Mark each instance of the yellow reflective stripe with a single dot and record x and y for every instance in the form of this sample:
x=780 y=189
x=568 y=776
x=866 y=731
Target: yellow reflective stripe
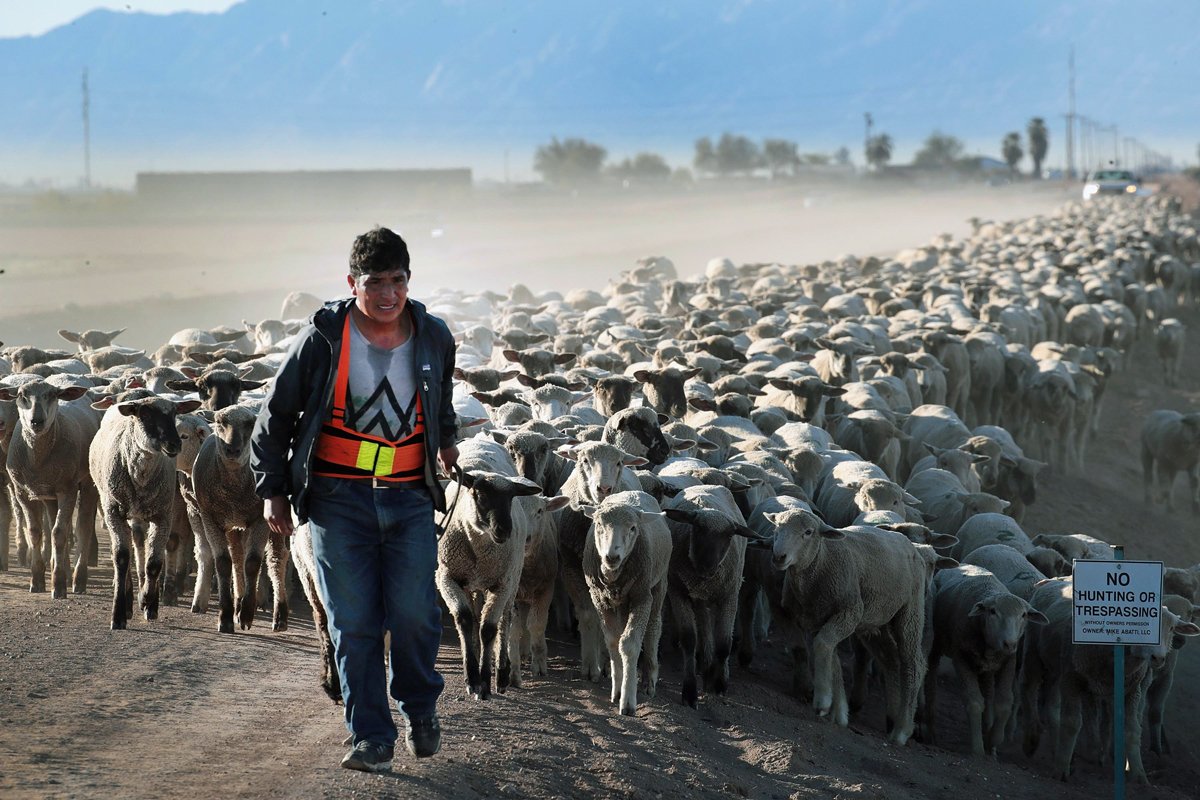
x=386 y=456
x=366 y=456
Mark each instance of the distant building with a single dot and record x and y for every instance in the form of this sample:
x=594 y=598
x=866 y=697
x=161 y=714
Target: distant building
x=290 y=192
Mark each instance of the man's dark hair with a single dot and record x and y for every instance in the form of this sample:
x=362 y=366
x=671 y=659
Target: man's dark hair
x=378 y=250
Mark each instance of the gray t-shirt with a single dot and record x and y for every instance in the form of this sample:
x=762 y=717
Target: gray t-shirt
x=382 y=393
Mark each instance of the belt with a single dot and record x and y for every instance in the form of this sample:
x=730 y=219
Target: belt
x=379 y=483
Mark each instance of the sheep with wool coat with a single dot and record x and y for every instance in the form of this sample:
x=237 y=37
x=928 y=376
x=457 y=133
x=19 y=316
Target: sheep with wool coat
x=945 y=503
x=625 y=564
x=979 y=624
x=1019 y=572
x=480 y=556
x=47 y=467
x=843 y=583
x=707 y=558
x=1060 y=675
x=234 y=526
x=1171 y=444
x=132 y=460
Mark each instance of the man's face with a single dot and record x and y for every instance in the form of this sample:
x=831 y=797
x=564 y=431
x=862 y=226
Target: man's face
x=381 y=296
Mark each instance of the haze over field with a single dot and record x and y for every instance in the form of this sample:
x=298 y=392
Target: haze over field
x=150 y=275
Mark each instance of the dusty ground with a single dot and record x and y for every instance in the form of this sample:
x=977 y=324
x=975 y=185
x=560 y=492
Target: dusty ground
x=170 y=709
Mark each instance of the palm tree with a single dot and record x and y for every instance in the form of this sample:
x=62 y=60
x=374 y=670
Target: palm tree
x=1039 y=143
x=879 y=151
x=1011 y=148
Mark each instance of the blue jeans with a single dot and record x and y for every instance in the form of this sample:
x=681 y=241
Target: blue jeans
x=376 y=552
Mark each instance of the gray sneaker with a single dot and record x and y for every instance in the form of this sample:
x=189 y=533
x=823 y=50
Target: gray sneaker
x=369 y=757
x=423 y=735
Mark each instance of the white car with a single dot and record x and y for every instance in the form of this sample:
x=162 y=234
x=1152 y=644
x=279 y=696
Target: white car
x=1110 y=182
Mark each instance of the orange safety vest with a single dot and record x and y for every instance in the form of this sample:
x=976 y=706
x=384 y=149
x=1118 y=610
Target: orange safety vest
x=345 y=453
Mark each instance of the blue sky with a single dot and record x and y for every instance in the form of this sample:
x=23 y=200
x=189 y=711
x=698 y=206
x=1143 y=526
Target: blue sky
x=35 y=17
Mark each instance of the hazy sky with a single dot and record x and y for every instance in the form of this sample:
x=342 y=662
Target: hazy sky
x=34 y=17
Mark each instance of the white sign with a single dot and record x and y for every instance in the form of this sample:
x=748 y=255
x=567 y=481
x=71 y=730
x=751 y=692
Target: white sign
x=1117 y=602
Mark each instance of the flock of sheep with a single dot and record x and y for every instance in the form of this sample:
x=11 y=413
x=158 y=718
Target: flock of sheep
x=838 y=455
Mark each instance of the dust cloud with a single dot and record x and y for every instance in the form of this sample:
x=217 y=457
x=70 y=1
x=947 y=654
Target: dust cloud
x=158 y=270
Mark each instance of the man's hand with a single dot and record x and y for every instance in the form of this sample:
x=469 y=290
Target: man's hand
x=448 y=456
x=278 y=515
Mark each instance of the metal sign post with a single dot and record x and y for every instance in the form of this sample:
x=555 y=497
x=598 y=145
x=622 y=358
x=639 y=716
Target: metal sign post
x=1117 y=603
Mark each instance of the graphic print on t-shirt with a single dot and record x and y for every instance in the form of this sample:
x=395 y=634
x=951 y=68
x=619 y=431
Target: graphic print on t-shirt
x=382 y=396
x=382 y=401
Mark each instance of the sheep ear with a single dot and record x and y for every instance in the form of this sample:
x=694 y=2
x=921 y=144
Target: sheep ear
x=249 y=386
x=643 y=375
x=1038 y=618
x=72 y=392
x=663 y=419
x=467 y=479
x=702 y=404
x=978 y=610
x=750 y=533
x=127 y=409
x=500 y=435
x=944 y=562
x=681 y=515
x=557 y=502
x=564 y=358
x=524 y=487
x=976 y=458
x=470 y=422
x=512 y=355
x=186 y=406
x=191 y=372
x=830 y=532
x=781 y=383
x=182 y=386
x=649 y=516
x=773 y=517
x=70 y=336
x=943 y=540
x=508 y=375
x=459 y=374
x=688 y=374
x=911 y=500
x=934 y=450
x=832 y=391
x=567 y=451
x=100 y=405
x=1187 y=629
x=526 y=380
x=589 y=511
x=635 y=461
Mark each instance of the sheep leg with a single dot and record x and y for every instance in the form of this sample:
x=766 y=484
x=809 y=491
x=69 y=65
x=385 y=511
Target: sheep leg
x=518 y=637
x=1001 y=705
x=974 y=699
x=223 y=562
x=722 y=619
x=464 y=620
x=62 y=511
x=685 y=629
x=747 y=604
x=929 y=717
x=1156 y=700
x=860 y=674
x=825 y=663
x=251 y=564
x=536 y=621
x=85 y=527
x=1070 y=721
x=491 y=620
x=204 y=564
x=610 y=621
x=156 y=548
x=705 y=646
x=591 y=637
x=630 y=646
x=6 y=517
x=119 y=534
x=648 y=660
x=33 y=535
x=910 y=667
x=1134 y=702
x=278 y=557
x=21 y=517
x=237 y=555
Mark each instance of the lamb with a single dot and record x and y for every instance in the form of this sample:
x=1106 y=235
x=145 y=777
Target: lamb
x=234 y=526
x=306 y=570
x=874 y=436
x=218 y=388
x=187 y=529
x=990 y=528
x=636 y=431
x=707 y=558
x=663 y=388
x=1171 y=444
x=945 y=502
x=132 y=461
x=479 y=559
x=979 y=623
x=1020 y=573
x=625 y=564
x=1159 y=689
x=800 y=397
x=840 y=583
x=1075 y=545
x=1169 y=339
x=535 y=591
x=600 y=470
x=47 y=466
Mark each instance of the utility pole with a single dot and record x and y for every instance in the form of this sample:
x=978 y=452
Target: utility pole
x=870 y=122
x=87 y=134
x=1071 y=115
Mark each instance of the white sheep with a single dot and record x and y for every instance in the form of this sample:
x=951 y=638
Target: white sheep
x=625 y=565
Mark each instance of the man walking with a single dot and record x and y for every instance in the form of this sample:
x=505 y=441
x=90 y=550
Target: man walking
x=349 y=433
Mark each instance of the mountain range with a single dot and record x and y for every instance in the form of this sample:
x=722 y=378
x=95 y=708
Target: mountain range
x=364 y=83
